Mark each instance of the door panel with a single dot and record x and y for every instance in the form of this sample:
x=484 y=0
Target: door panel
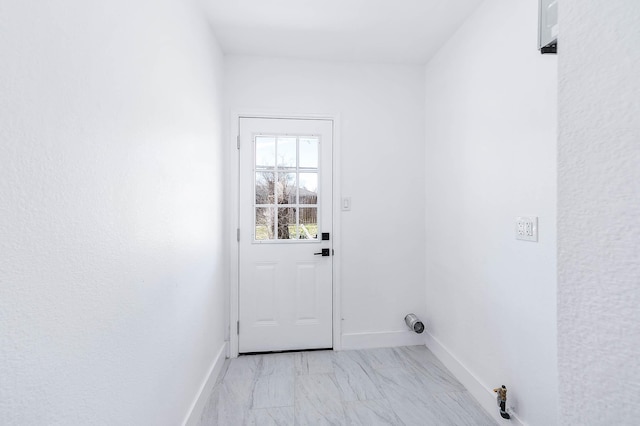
x=286 y=290
x=307 y=293
x=265 y=287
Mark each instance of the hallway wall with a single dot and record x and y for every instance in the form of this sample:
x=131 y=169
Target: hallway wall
x=111 y=211
x=490 y=157
x=381 y=144
x=598 y=206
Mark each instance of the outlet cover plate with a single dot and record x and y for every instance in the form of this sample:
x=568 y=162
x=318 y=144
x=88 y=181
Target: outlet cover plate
x=527 y=228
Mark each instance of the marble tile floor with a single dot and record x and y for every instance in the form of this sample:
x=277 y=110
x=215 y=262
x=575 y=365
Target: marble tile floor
x=391 y=386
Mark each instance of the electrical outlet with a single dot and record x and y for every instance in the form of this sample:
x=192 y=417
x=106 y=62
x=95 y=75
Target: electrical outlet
x=527 y=228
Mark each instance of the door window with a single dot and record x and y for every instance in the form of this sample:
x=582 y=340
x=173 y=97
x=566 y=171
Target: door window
x=286 y=188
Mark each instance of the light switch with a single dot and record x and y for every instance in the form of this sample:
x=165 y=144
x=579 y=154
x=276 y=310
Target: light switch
x=346 y=204
x=527 y=228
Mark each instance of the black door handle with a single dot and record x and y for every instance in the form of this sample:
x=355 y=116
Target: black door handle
x=324 y=252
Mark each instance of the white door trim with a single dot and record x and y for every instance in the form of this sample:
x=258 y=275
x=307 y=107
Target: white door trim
x=234 y=220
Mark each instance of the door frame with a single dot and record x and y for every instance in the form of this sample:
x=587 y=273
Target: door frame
x=233 y=189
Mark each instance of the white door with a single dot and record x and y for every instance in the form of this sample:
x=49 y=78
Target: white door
x=286 y=292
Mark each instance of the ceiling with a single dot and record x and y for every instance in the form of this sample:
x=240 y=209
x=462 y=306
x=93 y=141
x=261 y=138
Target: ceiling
x=389 y=31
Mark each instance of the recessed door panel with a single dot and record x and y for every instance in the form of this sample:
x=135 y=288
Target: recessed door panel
x=265 y=302
x=307 y=294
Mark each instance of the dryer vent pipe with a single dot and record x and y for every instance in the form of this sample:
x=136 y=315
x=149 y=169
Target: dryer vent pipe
x=414 y=323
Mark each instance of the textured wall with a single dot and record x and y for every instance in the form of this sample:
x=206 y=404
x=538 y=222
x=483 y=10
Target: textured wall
x=111 y=260
x=490 y=157
x=381 y=147
x=598 y=210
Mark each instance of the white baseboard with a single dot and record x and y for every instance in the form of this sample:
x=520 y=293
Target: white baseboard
x=384 y=339
x=480 y=391
x=195 y=411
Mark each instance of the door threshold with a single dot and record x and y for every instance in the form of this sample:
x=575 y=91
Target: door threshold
x=285 y=352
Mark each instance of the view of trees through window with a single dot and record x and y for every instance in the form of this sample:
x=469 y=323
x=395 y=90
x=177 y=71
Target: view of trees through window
x=286 y=188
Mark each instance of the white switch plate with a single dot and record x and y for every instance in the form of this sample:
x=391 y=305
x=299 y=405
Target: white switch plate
x=346 y=204
x=527 y=228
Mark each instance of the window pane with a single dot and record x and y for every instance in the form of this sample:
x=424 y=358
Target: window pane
x=265 y=218
x=308 y=188
x=287 y=154
x=287 y=229
x=265 y=190
x=309 y=153
x=308 y=223
x=265 y=151
x=286 y=188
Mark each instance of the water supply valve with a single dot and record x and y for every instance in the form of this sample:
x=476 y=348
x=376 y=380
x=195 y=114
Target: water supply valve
x=414 y=323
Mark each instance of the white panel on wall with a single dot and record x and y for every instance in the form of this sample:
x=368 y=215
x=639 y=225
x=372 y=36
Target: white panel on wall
x=491 y=298
x=381 y=136
x=111 y=238
x=598 y=208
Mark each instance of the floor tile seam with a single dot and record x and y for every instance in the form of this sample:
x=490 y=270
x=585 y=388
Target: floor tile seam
x=323 y=411
x=223 y=372
x=441 y=392
x=273 y=406
x=316 y=374
x=276 y=375
x=293 y=389
x=234 y=390
x=388 y=367
x=435 y=381
x=295 y=399
x=475 y=406
x=424 y=363
x=366 y=399
x=313 y=374
x=238 y=378
x=458 y=392
x=430 y=374
x=423 y=396
x=388 y=409
x=357 y=401
x=338 y=377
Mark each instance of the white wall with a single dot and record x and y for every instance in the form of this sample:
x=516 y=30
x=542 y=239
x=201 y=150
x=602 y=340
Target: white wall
x=491 y=156
x=598 y=209
x=112 y=264
x=381 y=138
